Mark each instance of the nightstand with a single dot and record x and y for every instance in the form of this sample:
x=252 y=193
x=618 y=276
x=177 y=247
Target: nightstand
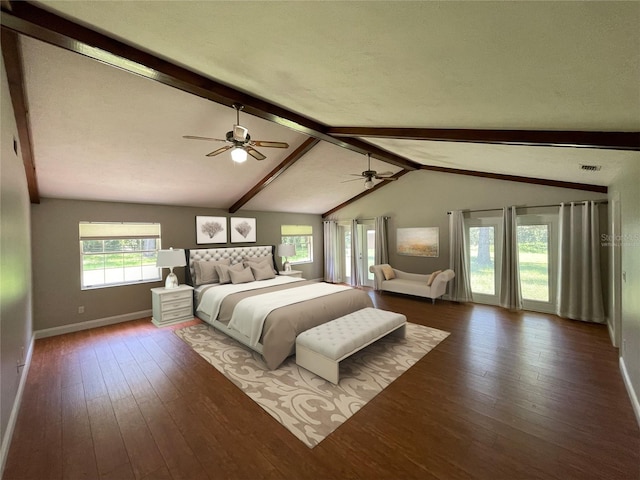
x=171 y=305
x=291 y=273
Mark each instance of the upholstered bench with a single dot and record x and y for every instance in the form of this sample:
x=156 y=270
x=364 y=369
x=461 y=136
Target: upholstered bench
x=322 y=348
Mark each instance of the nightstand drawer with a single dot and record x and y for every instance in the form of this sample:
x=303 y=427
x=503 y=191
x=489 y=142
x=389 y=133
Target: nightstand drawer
x=176 y=314
x=173 y=296
x=176 y=304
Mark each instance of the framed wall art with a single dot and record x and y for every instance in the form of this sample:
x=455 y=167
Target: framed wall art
x=211 y=230
x=243 y=229
x=418 y=242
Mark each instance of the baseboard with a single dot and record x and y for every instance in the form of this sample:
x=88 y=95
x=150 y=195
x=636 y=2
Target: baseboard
x=632 y=394
x=99 y=322
x=13 y=417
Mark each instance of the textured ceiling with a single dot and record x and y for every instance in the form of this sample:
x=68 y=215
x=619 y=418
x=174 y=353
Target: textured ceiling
x=507 y=65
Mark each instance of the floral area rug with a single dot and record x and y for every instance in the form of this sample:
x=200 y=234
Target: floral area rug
x=304 y=403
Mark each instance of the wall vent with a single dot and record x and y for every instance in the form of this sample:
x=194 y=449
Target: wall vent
x=591 y=168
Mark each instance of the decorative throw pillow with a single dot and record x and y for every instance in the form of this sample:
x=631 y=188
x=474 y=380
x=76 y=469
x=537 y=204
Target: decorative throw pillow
x=242 y=276
x=388 y=272
x=223 y=271
x=262 y=271
x=206 y=271
x=255 y=261
x=432 y=277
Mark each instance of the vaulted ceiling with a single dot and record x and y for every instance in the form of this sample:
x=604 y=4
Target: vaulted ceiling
x=524 y=91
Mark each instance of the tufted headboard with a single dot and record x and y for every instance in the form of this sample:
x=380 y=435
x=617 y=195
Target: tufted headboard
x=235 y=254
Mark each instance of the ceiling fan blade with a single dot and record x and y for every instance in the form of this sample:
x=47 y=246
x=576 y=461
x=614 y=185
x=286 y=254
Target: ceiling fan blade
x=219 y=151
x=240 y=133
x=254 y=153
x=356 y=175
x=385 y=178
x=384 y=174
x=193 y=137
x=352 y=180
x=266 y=143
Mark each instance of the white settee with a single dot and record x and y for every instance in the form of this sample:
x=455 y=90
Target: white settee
x=411 y=283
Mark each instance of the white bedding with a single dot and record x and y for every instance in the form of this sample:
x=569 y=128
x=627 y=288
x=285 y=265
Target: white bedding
x=250 y=313
x=211 y=298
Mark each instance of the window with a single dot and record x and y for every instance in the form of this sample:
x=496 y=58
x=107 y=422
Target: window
x=118 y=253
x=302 y=237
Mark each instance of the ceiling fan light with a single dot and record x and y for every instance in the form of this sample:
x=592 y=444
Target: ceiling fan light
x=368 y=184
x=239 y=155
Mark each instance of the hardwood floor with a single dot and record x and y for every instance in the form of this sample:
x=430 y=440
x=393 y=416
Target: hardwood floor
x=505 y=396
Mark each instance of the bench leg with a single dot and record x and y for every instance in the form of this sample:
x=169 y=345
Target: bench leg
x=318 y=364
x=400 y=332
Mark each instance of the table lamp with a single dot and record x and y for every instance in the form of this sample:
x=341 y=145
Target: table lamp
x=169 y=259
x=286 y=250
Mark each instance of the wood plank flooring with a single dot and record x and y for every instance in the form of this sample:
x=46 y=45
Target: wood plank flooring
x=505 y=396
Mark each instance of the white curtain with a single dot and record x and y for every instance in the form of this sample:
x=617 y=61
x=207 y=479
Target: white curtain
x=579 y=281
x=460 y=285
x=355 y=254
x=382 y=242
x=510 y=291
x=331 y=254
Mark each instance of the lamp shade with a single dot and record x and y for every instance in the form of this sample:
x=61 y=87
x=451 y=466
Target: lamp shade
x=171 y=258
x=286 y=250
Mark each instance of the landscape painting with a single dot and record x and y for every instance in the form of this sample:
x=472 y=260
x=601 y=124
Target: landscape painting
x=211 y=230
x=418 y=242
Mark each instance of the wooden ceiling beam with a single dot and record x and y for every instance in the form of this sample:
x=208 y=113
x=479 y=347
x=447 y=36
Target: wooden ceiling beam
x=27 y=19
x=546 y=138
x=515 y=178
x=364 y=193
x=11 y=53
x=296 y=155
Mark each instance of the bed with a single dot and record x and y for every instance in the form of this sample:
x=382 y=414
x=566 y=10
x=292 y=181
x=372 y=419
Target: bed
x=266 y=314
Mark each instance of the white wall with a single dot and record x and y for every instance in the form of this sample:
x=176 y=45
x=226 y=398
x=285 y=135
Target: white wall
x=627 y=188
x=15 y=270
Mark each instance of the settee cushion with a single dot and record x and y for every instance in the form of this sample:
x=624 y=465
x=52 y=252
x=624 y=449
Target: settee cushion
x=432 y=277
x=388 y=272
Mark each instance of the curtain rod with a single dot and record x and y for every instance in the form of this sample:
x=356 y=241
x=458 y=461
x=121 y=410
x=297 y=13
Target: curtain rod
x=530 y=206
x=357 y=219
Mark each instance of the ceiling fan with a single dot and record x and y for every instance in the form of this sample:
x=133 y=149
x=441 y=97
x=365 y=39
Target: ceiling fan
x=369 y=175
x=239 y=141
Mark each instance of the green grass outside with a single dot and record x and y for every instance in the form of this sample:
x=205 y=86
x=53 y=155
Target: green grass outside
x=534 y=277
x=117 y=260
